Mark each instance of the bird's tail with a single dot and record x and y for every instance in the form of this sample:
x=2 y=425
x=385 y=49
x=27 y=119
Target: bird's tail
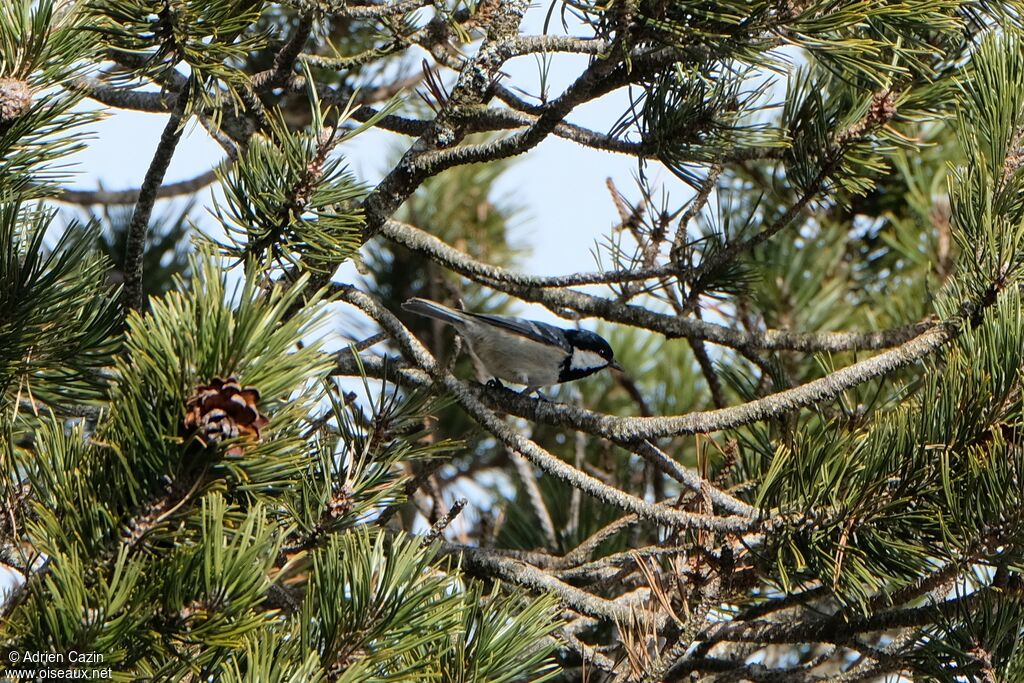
x=434 y=310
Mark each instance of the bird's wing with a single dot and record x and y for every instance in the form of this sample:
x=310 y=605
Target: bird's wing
x=531 y=329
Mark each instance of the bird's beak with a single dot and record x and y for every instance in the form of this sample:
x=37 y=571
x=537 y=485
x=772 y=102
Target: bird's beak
x=615 y=366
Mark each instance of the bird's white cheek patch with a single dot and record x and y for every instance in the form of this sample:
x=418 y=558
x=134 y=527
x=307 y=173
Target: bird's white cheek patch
x=586 y=360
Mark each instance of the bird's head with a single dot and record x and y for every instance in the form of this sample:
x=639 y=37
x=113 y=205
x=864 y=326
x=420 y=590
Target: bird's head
x=590 y=353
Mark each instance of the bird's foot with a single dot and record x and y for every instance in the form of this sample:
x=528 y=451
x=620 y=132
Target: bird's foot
x=534 y=390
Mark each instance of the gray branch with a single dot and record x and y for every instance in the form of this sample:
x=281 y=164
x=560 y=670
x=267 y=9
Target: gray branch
x=637 y=429
x=133 y=295
x=112 y=197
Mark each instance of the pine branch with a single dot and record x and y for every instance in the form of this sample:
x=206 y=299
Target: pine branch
x=525 y=45
x=132 y=295
x=637 y=429
x=480 y=562
x=378 y=10
x=694 y=209
x=775 y=405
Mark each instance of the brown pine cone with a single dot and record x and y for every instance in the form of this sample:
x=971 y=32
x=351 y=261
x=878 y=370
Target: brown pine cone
x=15 y=99
x=223 y=409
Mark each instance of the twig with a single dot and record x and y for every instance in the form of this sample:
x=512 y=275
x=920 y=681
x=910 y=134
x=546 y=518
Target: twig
x=372 y=340
x=284 y=61
x=594 y=568
x=441 y=524
x=481 y=562
x=707 y=368
x=584 y=550
x=111 y=197
x=695 y=207
x=133 y=293
x=654 y=455
x=412 y=486
x=536 y=501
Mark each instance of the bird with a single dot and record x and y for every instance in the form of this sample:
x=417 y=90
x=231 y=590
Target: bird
x=520 y=351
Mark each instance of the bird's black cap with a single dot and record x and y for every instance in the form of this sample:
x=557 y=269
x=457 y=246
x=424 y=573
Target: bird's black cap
x=589 y=341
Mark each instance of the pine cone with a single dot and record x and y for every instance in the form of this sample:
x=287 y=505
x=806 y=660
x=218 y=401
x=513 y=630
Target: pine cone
x=15 y=99
x=223 y=409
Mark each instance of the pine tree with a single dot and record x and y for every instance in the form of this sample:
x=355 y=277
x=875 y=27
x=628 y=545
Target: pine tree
x=810 y=469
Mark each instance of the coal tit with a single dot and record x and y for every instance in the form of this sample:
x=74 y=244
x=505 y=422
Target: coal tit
x=522 y=351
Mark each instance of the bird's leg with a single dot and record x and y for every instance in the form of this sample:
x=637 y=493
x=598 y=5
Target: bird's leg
x=534 y=390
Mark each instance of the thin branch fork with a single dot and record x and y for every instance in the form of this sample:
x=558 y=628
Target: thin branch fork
x=279 y=73
x=228 y=131
x=481 y=562
x=691 y=480
x=505 y=119
x=582 y=90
